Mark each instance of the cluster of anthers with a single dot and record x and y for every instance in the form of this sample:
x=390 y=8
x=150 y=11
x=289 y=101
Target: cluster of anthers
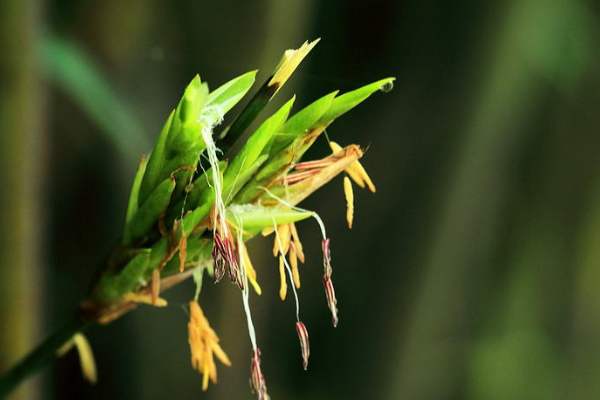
x=230 y=254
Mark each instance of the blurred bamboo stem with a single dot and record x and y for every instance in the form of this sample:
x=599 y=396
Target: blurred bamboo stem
x=20 y=147
x=42 y=355
x=465 y=232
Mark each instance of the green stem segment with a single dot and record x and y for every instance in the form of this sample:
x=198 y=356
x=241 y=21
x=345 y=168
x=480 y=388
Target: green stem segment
x=42 y=355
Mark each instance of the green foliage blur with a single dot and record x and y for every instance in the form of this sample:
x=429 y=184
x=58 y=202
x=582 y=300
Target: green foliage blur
x=473 y=273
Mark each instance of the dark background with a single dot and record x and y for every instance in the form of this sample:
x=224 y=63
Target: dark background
x=473 y=273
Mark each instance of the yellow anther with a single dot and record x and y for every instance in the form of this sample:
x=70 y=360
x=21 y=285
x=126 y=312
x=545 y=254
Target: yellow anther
x=363 y=174
x=283 y=234
x=297 y=243
x=349 y=201
x=294 y=265
x=250 y=271
x=282 y=280
x=355 y=171
x=86 y=356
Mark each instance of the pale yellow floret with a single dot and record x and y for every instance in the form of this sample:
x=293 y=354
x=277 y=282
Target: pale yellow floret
x=349 y=201
x=204 y=345
x=250 y=271
x=282 y=280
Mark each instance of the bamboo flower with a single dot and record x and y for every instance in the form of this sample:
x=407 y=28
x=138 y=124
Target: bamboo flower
x=204 y=345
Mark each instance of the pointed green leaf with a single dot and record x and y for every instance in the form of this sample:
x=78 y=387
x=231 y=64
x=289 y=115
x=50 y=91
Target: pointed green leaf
x=226 y=97
x=154 y=168
x=255 y=145
x=309 y=115
x=149 y=212
x=193 y=100
x=346 y=102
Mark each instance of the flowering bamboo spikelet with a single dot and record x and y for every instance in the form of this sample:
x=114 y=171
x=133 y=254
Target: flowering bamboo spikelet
x=193 y=198
x=204 y=345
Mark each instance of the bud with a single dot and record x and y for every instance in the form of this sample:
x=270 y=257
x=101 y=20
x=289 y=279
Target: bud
x=304 y=343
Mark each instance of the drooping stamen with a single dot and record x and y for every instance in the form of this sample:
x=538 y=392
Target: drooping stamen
x=257 y=379
x=327 y=283
x=86 y=356
x=283 y=260
x=331 y=299
x=282 y=279
x=356 y=171
x=325 y=243
x=349 y=201
x=294 y=264
x=304 y=343
x=283 y=231
x=297 y=243
x=250 y=271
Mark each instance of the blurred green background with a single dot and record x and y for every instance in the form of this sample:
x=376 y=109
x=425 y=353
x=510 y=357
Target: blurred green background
x=473 y=273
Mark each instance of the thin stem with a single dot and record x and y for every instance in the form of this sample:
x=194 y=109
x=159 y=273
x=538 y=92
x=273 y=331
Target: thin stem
x=42 y=355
